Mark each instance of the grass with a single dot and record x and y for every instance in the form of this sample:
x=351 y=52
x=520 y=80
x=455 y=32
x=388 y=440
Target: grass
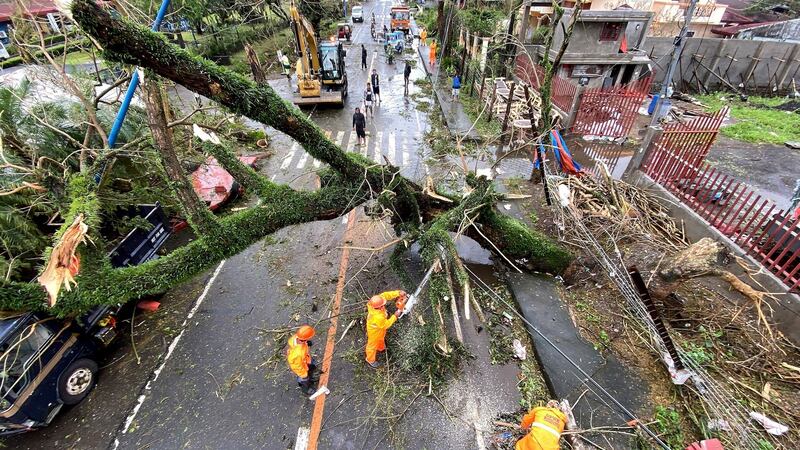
x=267 y=51
x=757 y=120
x=79 y=57
x=473 y=107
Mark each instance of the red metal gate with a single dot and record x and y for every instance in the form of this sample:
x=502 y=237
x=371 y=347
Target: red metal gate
x=562 y=91
x=610 y=112
x=769 y=234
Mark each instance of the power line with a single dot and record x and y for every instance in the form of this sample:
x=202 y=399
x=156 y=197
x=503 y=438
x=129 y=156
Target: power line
x=626 y=411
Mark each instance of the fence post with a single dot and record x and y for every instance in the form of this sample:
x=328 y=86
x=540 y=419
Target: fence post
x=573 y=108
x=508 y=107
x=491 y=102
x=651 y=135
x=483 y=83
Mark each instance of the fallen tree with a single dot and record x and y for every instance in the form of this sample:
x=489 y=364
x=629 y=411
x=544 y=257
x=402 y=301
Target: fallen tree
x=350 y=181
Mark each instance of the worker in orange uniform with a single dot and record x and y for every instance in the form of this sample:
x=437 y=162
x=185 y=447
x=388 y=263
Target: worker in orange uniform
x=378 y=321
x=423 y=37
x=432 y=54
x=546 y=424
x=299 y=357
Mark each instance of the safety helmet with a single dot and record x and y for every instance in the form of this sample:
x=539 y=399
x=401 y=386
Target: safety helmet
x=377 y=302
x=305 y=332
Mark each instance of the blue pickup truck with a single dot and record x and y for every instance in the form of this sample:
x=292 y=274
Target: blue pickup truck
x=46 y=362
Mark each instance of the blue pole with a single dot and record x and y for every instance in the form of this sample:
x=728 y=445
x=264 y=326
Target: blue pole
x=126 y=102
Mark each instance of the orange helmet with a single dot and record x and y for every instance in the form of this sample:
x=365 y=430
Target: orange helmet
x=377 y=302
x=305 y=332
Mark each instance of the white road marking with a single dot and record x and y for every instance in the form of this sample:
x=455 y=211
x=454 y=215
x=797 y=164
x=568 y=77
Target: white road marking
x=132 y=416
x=339 y=138
x=351 y=143
x=366 y=146
x=287 y=160
x=406 y=157
x=303 y=160
x=378 y=150
x=419 y=127
x=301 y=442
x=391 y=148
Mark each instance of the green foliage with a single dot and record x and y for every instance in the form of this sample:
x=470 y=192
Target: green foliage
x=481 y=20
x=427 y=20
x=757 y=120
x=668 y=424
x=698 y=354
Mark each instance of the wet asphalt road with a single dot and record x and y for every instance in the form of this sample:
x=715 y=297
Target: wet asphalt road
x=223 y=382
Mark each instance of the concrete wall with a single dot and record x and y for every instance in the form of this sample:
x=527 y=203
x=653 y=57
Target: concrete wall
x=785 y=310
x=747 y=64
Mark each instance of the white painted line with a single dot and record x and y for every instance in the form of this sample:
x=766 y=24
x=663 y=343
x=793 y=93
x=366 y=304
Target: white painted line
x=378 y=150
x=129 y=420
x=301 y=442
x=287 y=160
x=303 y=160
x=339 y=138
x=391 y=148
x=416 y=114
x=351 y=142
x=406 y=157
x=365 y=146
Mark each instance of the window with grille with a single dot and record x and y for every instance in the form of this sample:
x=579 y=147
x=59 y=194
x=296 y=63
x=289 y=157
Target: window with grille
x=610 y=31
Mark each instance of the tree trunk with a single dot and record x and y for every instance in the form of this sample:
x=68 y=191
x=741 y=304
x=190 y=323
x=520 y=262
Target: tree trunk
x=440 y=19
x=255 y=65
x=197 y=213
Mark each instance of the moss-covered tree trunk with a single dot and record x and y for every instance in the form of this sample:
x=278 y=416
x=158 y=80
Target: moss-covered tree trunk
x=351 y=181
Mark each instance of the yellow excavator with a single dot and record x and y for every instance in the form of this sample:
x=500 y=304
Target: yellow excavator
x=321 y=75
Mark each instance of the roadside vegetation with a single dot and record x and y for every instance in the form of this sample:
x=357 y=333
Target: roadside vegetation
x=759 y=120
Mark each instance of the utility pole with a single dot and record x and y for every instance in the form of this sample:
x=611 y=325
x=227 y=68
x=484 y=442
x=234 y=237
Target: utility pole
x=679 y=42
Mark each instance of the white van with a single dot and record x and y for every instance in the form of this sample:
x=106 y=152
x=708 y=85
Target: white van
x=358 y=14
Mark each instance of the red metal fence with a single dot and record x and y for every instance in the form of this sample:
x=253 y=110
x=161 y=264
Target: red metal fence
x=562 y=91
x=611 y=112
x=769 y=234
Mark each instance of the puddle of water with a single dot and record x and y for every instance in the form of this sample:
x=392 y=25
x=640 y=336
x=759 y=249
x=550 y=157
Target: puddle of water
x=590 y=155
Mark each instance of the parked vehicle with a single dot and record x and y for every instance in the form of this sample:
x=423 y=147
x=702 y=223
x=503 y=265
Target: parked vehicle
x=358 y=14
x=49 y=362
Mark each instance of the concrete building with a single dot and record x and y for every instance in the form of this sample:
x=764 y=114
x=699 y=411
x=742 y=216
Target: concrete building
x=782 y=31
x=603 y=49
x=45 y=12
x=667 y=14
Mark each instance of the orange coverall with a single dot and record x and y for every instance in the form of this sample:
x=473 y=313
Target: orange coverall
x=423 y=37
x=546 y=425
x=378 y=321
x=432 y=54
x=298 y=356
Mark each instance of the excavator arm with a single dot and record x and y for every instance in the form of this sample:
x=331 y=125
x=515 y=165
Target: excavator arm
x=306 y=41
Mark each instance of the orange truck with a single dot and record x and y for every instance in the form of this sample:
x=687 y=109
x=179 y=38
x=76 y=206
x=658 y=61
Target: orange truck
x=401 y=18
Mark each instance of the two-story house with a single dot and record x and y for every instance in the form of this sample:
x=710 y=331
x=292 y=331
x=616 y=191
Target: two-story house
x=603 y=48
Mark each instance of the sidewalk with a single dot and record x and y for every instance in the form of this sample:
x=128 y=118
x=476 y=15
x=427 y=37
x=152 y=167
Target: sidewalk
x=540 y=303
x=457 y=120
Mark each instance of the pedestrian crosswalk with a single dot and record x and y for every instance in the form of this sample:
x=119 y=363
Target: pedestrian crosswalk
x=394 y=146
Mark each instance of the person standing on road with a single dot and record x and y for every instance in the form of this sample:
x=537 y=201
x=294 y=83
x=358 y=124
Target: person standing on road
x=376 y=89
x=423 y=37
x=456 y=86
x=378 y=322
x=299 y=358
x=432 y=54
x=545 y=424
x=359 y=125
x=363 y=57
x=368 y=101
x=406 y=76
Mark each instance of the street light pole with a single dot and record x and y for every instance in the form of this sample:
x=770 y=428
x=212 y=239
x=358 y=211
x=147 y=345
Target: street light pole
x=679 y=42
